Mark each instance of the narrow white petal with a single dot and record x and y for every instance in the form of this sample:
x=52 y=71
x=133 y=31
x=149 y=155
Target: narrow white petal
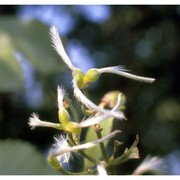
x=82 y=98
x=86 y=145
x=57 y=44
x=61 y=93
x=121 y=71
x=101 y=170
x=94 y=120
x=34 y=121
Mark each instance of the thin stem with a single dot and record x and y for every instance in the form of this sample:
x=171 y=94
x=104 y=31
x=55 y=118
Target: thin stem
x=103 y=151
x=102 y=147
x=73 y=110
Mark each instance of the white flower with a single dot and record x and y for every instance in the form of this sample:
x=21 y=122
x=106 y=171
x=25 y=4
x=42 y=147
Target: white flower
x=89 y=104
x=61 y=143
x=58 y=151
x=154 y=164
x=61 y=93
x=57 y=44
x=121 y=71
x=34 y=121
x=101 y=170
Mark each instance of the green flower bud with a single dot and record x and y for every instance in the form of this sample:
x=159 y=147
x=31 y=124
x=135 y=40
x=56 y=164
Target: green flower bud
x=79 y=77
x=64 y=117
x=54 y=163
x=92 y=75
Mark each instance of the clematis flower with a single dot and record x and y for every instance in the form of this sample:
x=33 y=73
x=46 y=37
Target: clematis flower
x=94 y=72
x=66 y=124
x=80 y=81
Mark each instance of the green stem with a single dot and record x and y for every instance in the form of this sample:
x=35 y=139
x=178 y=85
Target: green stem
x=102 y=147
x=73 y=110
x=104 y=153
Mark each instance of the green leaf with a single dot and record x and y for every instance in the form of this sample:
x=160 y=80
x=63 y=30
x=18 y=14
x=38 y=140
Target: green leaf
x=95 y=152
x=21 y=158
x=131 y=153
x=10 y=73
x=32 y=38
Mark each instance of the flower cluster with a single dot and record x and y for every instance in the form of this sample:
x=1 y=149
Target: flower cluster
x=71 y=127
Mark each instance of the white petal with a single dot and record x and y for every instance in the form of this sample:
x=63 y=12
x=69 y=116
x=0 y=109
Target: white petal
x=57 y=44
x=34 y=121
x=120 y=71
x=61 y=94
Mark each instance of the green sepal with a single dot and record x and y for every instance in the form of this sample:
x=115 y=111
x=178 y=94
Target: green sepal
x=64 y=117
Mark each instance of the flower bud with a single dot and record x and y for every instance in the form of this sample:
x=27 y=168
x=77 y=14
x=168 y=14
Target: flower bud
x=92 y=75
x=110 y=99
x=79 y=77
x=64 y=117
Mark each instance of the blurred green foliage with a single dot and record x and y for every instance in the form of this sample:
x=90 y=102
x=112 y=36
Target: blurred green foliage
x=145 y=39
x=22 y=159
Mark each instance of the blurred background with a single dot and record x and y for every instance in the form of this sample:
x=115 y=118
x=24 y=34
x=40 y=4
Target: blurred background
x=144 y=39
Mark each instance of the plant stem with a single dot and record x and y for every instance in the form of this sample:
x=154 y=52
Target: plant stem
x=73 y=110
x=102 y=147
x=104 y=153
